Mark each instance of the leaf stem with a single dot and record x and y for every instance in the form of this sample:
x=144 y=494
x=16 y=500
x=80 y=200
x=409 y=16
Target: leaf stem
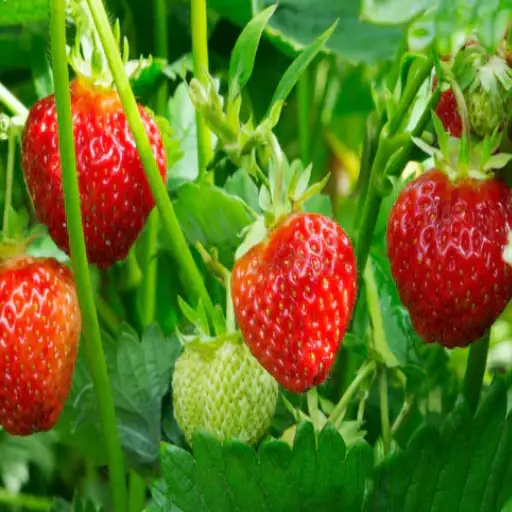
x=303 y=100
x=150 y=254
x=402 y=415
x=189 y=273
x=12 y=103
x=107 y=315
x=364 y=372
x=91 y=328
x=199 y=28
x=137 y=492
x=25 y=501
x=384 y=410
x=475 y=371
x=9 y=171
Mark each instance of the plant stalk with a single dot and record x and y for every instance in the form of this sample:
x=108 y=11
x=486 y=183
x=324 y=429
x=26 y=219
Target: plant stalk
x=9 y=171
x=199 y=24
x=303 y=100
x=25 y=501
x=384 y=410
x=189 y=273
x=91 y=328
x=150 y=253
x=475 y=371
x=364 y=372
x=12 y=103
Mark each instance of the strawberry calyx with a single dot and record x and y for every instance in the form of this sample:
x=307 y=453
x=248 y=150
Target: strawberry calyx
x=465 y=158
x=200 y=336
x=86 y=55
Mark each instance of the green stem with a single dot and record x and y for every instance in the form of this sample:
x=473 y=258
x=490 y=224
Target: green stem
x=402 y=415
x=189 y=273
x=150 y=253
x=12 y=103
x=303 y=100
x=199 y=26
x=364 y=372
x=384 y=410
x=11 y=152
x=107 y=315
x=137 y=492
x=475 y=371
x=25 y=501
x=411 y=90
x=91 y=328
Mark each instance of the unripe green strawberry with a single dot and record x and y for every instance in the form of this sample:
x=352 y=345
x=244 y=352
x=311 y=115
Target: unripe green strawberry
x=486 y=110
x=223 y=390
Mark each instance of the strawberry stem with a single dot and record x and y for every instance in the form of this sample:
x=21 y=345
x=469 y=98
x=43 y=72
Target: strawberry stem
x=303 y=99
x=137 y=492
x=25 y=501
x=384 y=410
x=192 y=278
x=150 y=253
x=9 y=173
x=364 y=372
x=12 y=103
x=199 y=29
x=91 y=328
x=475 y=371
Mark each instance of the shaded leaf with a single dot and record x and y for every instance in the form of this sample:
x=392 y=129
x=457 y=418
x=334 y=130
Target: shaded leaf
x=211 y=216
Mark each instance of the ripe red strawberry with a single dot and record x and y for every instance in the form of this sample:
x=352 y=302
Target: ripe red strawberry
x=116 y=198
x=448 y=112
x=293 y=296
x=445 y=241
x=39 y=333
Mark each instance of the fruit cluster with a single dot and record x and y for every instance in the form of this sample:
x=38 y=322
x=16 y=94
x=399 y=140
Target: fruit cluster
x=293 y=291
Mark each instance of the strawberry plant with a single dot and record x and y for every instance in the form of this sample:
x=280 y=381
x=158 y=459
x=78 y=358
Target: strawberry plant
x=255 y=256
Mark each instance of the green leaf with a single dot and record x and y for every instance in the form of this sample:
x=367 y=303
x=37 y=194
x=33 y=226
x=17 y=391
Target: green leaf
x=211 y=216
x=140 y=374
x=22 y=12
x=241 y=184
x=145 y=75
x=392 y=12
x=313 y=475
x=243 y=56
x=296 y=24
x=298 y=66
x=465 y=465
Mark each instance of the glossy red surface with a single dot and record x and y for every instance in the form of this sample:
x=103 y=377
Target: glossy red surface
x=293 y=297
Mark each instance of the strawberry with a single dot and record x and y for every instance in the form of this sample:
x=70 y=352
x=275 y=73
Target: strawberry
x=448 y=113
x=39 y=334
x=115 y=195
x=293 y=296
x=445 y=239
x=224 y=390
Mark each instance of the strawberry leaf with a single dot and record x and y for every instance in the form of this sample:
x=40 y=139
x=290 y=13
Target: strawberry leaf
x=470 y=457
x=210 y=215
x=313 y=475
x=140 y=374
x=299 y=65
x=243 y=56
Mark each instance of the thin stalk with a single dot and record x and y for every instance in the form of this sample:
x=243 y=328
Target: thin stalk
x=107 y=315
x=150 y=258
x=91 y=328
x=11 y=152
x=303 y=110
x=137 y=494
x=475 y=371
x=364 y=372
x=384 y=410
x=189 y=273
x=25 y=501
x=199 y=24
x=12 y=103
x=402 y=415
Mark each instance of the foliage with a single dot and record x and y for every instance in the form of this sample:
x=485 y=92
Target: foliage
x=340 y=86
